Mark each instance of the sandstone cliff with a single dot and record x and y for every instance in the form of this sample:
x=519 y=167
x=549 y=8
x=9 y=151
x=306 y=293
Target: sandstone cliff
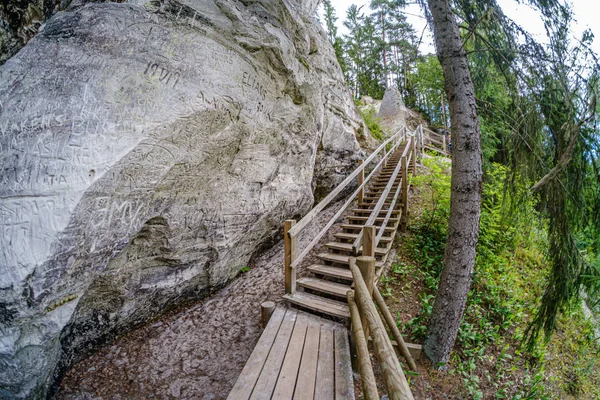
x=147 y=150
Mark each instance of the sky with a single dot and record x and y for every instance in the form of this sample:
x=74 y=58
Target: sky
x=586 y=13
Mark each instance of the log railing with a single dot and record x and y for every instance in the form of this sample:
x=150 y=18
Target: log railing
x=362 y=309
x=291 y=229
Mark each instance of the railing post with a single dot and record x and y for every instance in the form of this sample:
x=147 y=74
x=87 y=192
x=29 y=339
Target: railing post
x=361 y=179
x=404 y=219
x=266 y=310
x=421 y=141
x=414 y=155
x=368 y=242
x=289 y=251
x=366 y=265
x=444 y=142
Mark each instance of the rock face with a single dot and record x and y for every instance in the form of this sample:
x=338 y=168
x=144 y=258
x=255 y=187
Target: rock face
x=146 y=152
x=392 y=111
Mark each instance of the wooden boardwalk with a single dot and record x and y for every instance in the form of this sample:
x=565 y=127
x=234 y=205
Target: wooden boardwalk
x=298 y=356
x=304 y=356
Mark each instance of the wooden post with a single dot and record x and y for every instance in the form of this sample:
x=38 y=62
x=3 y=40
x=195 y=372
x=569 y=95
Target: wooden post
x=368 y=247
x=404 y=219
x=289 y=251
x=395 y=381
x=266 y=310
x=444 y=116
x=366 y=265
x=421 y=141
x=362 y=350
x=444 y=143
x=414 y=154
x=361 y=179
x=387 y=316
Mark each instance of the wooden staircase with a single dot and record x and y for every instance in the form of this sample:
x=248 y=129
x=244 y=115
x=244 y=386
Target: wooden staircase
x=324 y=291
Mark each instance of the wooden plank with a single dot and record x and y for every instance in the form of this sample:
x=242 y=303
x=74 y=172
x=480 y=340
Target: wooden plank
x=324 y=387
x=286 y=383
x=359 y=218
x=352 y=236
x=319 y=304
x=348 y=247
x=368 y=211
x=246 y=381
x=334 y=272
x=321 y=285
x=339 y=258
x=357 y=227
x=307 y=374
x=270 y=372
x=344 y=383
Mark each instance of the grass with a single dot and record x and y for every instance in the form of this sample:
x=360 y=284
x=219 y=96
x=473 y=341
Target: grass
x=489 y=361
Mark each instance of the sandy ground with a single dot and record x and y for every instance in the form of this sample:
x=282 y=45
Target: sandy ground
x=197 y=352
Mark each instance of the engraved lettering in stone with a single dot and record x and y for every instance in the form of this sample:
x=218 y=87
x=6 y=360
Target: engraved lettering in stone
x=251 y=81
x=164 y=75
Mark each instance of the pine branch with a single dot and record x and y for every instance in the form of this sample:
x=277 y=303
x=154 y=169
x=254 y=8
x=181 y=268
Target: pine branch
x=567 y=155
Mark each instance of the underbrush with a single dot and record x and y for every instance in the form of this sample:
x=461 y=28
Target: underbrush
x=489 y=358
x=369 y=116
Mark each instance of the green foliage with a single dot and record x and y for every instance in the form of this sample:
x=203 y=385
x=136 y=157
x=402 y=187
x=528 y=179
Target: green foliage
x=507 y=284
x=245 y=269
x=380 y=49
x=372 y=122
x=427 y=79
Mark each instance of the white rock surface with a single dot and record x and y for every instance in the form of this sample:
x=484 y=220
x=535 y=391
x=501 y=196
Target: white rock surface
x=146 y=152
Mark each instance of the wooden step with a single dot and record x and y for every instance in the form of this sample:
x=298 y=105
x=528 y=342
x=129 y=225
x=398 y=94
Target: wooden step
x=372 y=203
x=368 y=211
x=332 y=272
x=369 y=207
x=376 y=196
x=353 y=236
x=321 y=285
x=340 y=259
x=319 y=304
x=360 y=218
x=359 y=227
x=384 y=181
x=348 y=247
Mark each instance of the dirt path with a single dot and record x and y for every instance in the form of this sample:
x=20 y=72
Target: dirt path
x=196 y=353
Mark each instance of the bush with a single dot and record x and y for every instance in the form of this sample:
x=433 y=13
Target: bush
x=372 y=122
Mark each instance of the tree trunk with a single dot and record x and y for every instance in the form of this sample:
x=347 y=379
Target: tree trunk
x=465 y=198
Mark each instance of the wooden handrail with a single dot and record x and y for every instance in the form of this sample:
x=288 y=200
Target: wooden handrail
x=365 y=368
x=395 y=381
x=389 y=320
x=375 y=213
x=329 y=224
x=325 y=202
x=381 y=230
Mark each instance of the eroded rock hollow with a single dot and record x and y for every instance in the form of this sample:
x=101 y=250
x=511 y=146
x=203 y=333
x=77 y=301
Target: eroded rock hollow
x=147 y=150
